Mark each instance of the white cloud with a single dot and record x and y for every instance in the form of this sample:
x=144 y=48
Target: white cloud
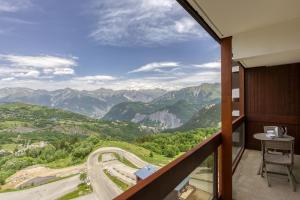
x=8 y=79
x=30 y=74
x=39 y=61
x=14 y=5
x=48 y=71
x=39 y=73
x=186 y=25
x=211 y=65
x=18 y=72
x=96 y=78
x=142 y=23
x=63 y=71
x=102 y=81
x=156 y=66
x=200 y=77
x=33 y=66
x=15 y=20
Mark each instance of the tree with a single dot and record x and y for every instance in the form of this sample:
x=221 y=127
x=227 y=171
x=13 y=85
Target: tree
x=83 y=177
x=93 y=139
x=151 y=154
x=2 y=180
x=170 y=151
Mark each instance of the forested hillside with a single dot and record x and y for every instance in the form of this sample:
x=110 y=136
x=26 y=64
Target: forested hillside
x=31 y=134
x=171 y=144
x=18 y=117
x=171 y=110
x=209 y=116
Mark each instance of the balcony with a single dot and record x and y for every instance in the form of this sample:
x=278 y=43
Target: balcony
x=194 y=175
x=248 y=185
x=260 y=80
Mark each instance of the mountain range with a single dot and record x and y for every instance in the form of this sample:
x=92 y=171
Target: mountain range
x=90 y=103
x=208 y=116
x=171 y=110
x=155 y=109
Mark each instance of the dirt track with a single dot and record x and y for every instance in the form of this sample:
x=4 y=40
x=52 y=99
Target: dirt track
x=27 y=174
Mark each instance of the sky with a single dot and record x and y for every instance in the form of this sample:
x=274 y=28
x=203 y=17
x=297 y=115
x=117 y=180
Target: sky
x=91 y=44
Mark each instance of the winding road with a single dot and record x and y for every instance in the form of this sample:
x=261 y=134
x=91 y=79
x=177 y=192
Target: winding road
x=49 y=191
x=103 y=187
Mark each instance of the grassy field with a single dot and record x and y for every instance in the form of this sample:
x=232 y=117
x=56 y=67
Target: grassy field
x=9 y=147
x=114 y=179
x=100 y=158
x=72 y=137
x=82 y=189
x=141 y=152
x=61 y=163
x=13 y=124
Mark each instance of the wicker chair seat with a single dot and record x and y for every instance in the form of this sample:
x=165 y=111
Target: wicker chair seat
x=278 y=159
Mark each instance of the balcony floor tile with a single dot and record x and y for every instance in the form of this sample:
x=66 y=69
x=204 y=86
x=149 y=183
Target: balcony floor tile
x=247 y=185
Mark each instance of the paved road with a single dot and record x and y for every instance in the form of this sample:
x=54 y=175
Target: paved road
x=103 y=187
x=91 y=196
x=121 y=171
x=49 y=191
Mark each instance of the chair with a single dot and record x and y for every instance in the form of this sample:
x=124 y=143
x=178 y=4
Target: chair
x=286 y=159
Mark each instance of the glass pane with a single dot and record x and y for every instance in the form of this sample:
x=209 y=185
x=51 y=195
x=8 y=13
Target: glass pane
x=199 y=185
x=238 y=141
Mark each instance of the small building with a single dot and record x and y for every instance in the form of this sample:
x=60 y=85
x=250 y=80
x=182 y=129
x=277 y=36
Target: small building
x=175 y=194
x=4 y=152
x=144 y=172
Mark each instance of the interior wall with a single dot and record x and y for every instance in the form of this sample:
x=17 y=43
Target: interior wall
x=272 y=97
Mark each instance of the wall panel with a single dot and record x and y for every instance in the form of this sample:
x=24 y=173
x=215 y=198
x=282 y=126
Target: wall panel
x=272 y=97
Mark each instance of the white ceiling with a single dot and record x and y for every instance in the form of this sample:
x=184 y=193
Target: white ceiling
x=265 y=32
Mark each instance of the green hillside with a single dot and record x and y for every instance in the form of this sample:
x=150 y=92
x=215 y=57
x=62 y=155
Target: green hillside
x=209 y=116
x=203 y=94
x=94 y=103
x=69 y=138
x=175 y=143
x=127 y=110
x=183 y=109
x=18 y=117
x=179 y=105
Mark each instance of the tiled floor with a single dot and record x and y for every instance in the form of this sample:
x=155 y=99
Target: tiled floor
x=247 y=185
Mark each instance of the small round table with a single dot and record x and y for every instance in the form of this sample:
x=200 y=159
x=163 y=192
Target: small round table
x=263 y=137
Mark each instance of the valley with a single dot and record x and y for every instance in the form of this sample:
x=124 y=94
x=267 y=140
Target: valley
x=41 y=145
x=90 y=103
x=154 y=109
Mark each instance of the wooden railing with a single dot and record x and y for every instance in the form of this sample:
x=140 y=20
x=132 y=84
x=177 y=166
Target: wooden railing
x=162 y=182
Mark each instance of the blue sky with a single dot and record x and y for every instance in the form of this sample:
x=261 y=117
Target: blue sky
x=128 y=44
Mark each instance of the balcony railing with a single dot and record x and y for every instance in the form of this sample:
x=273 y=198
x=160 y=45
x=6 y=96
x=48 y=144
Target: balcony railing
x=201 y=162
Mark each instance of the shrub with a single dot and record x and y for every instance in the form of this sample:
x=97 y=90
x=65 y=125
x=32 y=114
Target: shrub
x=17 y=163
